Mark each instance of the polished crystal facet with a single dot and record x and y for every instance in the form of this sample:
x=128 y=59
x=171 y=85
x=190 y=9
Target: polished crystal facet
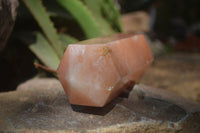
x=94 y=72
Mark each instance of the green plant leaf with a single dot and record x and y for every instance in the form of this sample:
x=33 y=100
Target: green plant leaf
x=66 y=39
x=95 y=8
x=56 y=10
x=106 y=13
x=112 y=15
x=43 y=50
x=83 y=16
x=41 y=16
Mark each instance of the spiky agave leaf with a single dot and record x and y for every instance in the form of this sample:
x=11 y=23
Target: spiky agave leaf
x=83 y=16
x=38 y=11
x=43 y=50
x=95 y=7
x=66 y=39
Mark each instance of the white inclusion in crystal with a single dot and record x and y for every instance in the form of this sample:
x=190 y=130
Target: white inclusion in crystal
x=110 y=88
x=99 y=61
x=135 y=38
x=77 y=50
x=71 y=78
x=82 y=51
x=117 y=42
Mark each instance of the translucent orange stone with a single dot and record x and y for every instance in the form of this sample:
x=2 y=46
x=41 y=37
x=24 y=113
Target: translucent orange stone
x=95 y=71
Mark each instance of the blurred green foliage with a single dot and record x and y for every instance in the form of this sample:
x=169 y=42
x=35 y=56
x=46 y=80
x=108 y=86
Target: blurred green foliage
x=62 y=22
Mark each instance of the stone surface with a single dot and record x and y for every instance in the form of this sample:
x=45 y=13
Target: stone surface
x=178 y=72
x=92 y=74
x=145 y=110
x=40 y=83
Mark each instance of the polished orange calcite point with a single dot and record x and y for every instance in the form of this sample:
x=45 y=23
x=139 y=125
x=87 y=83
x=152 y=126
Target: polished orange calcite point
x=92 y=74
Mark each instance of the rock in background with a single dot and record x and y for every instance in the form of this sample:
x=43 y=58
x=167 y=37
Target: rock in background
x=7 y=19
x=177 y=72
